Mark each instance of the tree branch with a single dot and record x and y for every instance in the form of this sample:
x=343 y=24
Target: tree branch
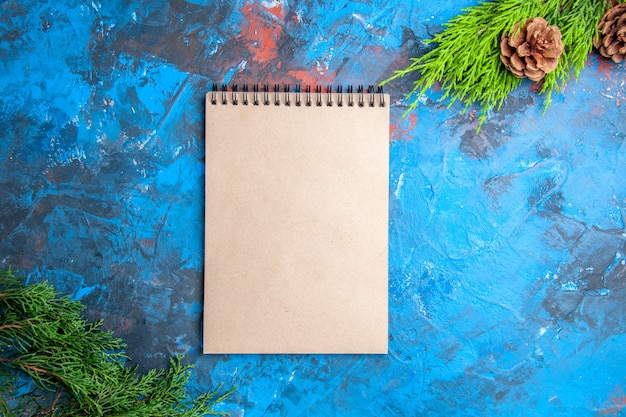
x=10 y=326
x=27 y=366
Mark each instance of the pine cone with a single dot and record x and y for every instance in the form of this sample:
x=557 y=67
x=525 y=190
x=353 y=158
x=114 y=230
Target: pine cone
x=611 y=41
x=533 y=50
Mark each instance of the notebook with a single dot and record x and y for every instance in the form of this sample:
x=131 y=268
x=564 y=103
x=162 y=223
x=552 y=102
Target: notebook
x=296 y=221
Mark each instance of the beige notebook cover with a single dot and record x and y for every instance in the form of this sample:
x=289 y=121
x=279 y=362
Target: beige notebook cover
x=296 y=223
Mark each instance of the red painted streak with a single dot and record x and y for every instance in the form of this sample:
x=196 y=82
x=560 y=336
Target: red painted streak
x=397 y=133
x=276 y=10
x=605 y=67
x=313 y=77
x=262 y=30
x=615 y=404
x=304 y=77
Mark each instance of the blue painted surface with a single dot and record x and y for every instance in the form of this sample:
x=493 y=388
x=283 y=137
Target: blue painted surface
x=507 y=270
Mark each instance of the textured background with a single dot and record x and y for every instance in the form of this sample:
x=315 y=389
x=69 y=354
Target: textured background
x=507 y=271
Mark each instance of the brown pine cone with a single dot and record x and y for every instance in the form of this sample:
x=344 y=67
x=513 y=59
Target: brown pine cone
x=532 y=51
x=611 y=39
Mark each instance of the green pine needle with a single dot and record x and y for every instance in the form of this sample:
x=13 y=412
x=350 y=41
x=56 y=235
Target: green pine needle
x=466 y=59
x=77 y=368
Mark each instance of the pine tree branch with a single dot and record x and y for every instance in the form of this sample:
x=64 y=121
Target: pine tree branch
x=78 y=368
x=465 y=60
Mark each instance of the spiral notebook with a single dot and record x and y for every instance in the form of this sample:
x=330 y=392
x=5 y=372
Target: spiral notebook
x=296 y=220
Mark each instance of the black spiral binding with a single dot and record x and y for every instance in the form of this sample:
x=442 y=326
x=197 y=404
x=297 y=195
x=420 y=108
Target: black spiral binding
x=317 y=96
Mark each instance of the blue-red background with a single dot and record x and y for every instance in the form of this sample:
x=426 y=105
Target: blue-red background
x=507 y=271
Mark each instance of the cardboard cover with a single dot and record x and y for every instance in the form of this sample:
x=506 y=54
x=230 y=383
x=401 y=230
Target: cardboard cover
x=296 y=226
